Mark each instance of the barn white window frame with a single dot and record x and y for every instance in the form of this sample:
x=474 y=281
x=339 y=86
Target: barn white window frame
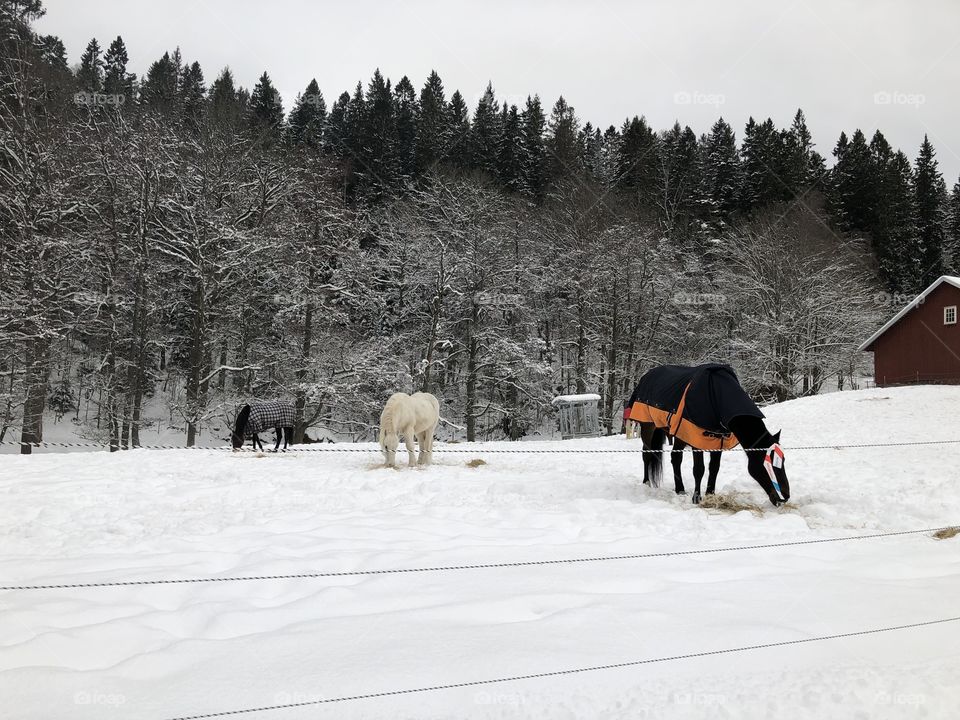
x=950 y=315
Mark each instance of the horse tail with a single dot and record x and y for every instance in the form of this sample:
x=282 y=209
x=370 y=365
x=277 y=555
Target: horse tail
x=656 y=457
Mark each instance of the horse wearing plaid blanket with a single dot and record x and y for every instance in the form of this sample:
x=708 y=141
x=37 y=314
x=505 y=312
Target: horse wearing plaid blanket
x=254 y=419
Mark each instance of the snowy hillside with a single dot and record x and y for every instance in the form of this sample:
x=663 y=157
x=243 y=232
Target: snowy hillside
x=183 y=650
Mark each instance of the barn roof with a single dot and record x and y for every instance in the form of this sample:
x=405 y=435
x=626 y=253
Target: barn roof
x=949 y=279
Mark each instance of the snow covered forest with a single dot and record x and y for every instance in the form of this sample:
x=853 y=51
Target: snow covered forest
x=176 y=242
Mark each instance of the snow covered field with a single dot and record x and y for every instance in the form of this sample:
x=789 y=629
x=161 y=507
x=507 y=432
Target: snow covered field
x=172 y=651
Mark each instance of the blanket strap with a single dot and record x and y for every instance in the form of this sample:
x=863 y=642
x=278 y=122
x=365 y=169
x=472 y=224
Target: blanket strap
x=674 y=420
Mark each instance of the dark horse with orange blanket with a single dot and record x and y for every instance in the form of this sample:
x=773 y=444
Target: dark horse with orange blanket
x=706 y=408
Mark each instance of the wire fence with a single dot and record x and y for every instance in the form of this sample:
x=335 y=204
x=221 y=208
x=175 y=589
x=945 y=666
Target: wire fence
x=476 y=566
x=516 y=564
x=478 y=447
x=571 y=671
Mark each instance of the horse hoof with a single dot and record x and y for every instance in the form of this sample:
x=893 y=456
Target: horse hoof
x=696 y=498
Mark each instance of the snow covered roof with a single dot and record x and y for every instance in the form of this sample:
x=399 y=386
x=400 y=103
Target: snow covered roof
x=949 y=279
x=586 y=397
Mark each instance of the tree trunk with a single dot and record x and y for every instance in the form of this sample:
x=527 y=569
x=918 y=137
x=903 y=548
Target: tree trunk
x=123 y=403
x=196 y=364
x=135 y=414
x=138 y=366
x=222 y=378
x=37 y=375
x=612 y=362
x=300 y=427
x=581 y=346
x=8 y=411
x=472 y=352
x=431 y=344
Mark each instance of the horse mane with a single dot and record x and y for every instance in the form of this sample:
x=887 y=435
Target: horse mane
x=751 y=432
x=386 y=419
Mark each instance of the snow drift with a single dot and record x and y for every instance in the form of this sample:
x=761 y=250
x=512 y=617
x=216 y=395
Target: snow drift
x=173 y=651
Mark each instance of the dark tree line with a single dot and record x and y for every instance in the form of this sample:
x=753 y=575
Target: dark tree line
x=903 y=207
x=384 y=139
x=170 y=246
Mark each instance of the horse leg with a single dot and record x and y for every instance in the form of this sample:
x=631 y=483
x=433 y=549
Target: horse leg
x=428 y=436
x=697 y=474
x=409 y=436
x=287 y=437
x=278 y=432
x=714 y=471
x=422 y=448
x=645 y=433
x=676 y=459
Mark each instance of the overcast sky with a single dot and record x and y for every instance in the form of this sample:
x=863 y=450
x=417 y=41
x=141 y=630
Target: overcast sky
x=868 y=64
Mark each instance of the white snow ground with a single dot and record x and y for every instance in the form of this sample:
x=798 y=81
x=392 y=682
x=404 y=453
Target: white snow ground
x=171 y=651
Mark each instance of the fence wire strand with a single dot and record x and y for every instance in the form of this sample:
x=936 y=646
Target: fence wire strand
x=477 y=566
x=529 y=563
x=569 y=671
x=331 y=448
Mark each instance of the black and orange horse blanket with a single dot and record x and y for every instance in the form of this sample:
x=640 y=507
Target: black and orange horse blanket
x=694 y=404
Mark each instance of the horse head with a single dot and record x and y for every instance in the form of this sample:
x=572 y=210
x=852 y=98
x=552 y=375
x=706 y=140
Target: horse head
x=388 y=446
x=775 y=465
x=240 y=428
x=765 y=459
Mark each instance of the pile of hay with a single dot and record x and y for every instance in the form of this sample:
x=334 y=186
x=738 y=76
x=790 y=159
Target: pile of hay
x=732 y=502
x=476 y=463
x=947 y=533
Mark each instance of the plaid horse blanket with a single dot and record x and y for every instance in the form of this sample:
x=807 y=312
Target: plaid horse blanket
x=268 y=415
x=694 y=404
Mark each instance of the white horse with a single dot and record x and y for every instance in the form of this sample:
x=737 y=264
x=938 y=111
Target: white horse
x=413 y=416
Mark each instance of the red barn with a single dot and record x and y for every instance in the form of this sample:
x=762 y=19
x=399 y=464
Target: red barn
x=921 y=343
